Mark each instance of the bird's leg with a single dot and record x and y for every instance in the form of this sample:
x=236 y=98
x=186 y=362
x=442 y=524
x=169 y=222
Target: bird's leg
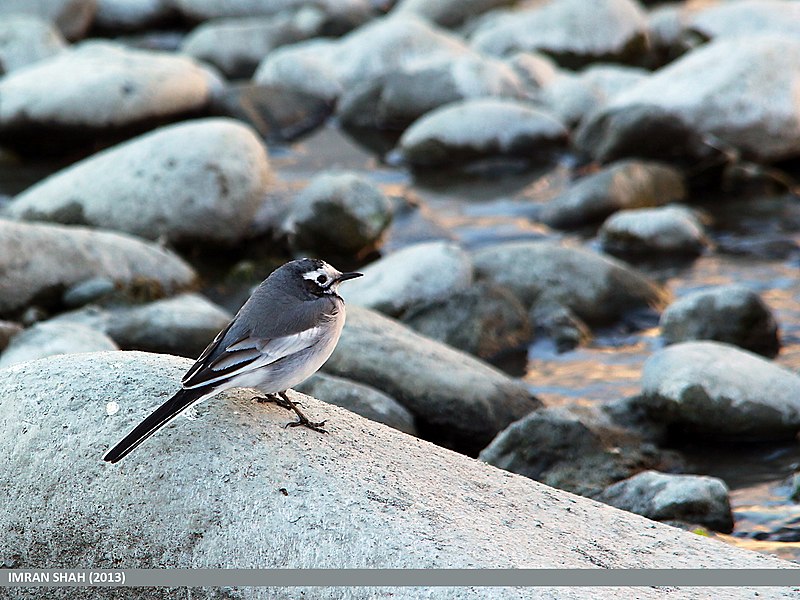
x=281 y=399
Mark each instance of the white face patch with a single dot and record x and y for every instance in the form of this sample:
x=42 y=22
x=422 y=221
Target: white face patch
x=323 y=276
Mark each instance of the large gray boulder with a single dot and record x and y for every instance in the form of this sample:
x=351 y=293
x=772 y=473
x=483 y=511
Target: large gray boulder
x=448 y=13
x=361 y=399
x=50 y=339
x=25 y=39
x=183 y=325
x=702 y=94
x=745 y=17
x=578 y=452
x=99 y=88
x=237 y=46
x=665 y=231
x=234 y=489
x=573 y=32
x=202 y=180
x=732 y=314
x=72 y=17
x=415 y=275
x=478 y=128
x=623 y=185
x=131 y=15
x=596 y=288
x=693 y=499
x=38 y=262
x=326 y=68
x=457 y=400
x=716 y=390
x=339 y=213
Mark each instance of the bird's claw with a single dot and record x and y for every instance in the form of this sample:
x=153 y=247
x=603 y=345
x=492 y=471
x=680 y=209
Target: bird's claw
x=308 y=424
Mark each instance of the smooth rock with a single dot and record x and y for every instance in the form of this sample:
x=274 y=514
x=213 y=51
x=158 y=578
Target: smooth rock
x=579 y=453
x=89 y=290
x=415 y=275
x=746 y=17
x=39 y=261
x=203 y=180
x=235 y=489
x=596 y=288
x=183 y=325
x=573 y=32
x=396 y=99
x=623 y=185
x=132 y=15
x=558 y=323
x=716 y=390
x=457 y=401
x=668 y=230
x=326 y=68
x=448 y=13
x=693 y=499
x=26 y=39
x=72 y=17
x=573 y=96
x=732 y=314
x=277 y=114
x=537 y=71
x=8 y=329
x=479 y=128
x=237 y=46
x=50 y=339
x=360 y=399
x=339 y=213
x=482 y=319
x=99 y=88
x=702 y=94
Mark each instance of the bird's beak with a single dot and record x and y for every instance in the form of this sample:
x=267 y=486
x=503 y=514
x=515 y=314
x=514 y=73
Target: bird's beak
x=346 y=276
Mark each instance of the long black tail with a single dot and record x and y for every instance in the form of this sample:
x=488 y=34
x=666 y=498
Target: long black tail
x=160 y=417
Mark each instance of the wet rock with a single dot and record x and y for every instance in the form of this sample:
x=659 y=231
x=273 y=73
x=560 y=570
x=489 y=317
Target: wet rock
x=237 y=46
x=596 y=288
x=338 y=16
x=183 y=325
x=573 y=32
x=580 y=453
x=417 y=274
x=90 y=290
x=72 y=17
x=717 y=390
x=482 y=319
x=732 y=314
x=277 y=114
x=448 y=13
x=694 y=499
x=559 y=324
x=573 y=96
x=132 y=15
x=40 y=261
x=98 y=89
x=25 y=40
x=457 y=401
x=702 y=94
x=537 y=71
x=338 y=213
x=8 y=329
x=624 y=185
x=746 y=17
x=202 y=180
x=668 y=230
x=49 y=339
x=326 y=68
x=396 y=99
x=479 y=128
x=384 y=498
x=360 y=399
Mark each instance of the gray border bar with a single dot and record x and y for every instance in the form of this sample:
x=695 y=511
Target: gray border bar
x=401 y=577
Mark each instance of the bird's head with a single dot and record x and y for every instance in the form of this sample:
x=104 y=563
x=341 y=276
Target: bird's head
x=318 y=277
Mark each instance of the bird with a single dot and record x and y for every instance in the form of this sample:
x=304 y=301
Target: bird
x=282 y=335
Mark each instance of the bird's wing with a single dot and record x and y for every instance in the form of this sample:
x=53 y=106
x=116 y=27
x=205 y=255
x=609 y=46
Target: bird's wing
x=224 y=358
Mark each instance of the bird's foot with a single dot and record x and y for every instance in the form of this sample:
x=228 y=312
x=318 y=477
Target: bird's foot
x=281 y=399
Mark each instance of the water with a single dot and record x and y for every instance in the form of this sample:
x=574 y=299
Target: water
x=756 y=247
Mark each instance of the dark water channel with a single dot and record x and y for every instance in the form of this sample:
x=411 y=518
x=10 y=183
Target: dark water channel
x=757 y=236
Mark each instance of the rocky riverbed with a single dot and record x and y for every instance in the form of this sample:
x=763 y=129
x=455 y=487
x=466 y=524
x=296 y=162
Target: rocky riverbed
x=578 y=225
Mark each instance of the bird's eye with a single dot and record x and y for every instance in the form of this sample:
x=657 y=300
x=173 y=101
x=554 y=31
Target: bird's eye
x=322 y=279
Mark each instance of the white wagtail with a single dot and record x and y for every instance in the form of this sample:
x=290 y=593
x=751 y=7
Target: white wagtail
x=284 y=332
